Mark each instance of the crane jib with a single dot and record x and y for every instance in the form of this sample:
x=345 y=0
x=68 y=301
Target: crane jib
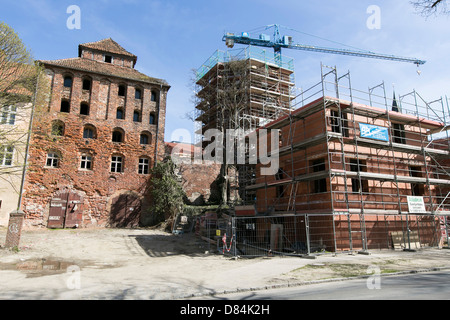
x=231 y=39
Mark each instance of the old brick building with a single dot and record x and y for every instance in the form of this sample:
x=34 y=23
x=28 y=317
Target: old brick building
x=95 y=142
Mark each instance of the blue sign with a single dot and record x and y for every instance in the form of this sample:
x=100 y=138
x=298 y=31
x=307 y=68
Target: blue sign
x=373 y=132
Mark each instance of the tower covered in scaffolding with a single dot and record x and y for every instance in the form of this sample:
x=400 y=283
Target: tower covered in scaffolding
x=242 y=90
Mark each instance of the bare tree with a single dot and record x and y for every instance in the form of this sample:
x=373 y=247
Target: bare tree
x=428 y=8
x=224 y=95
x=18 y=95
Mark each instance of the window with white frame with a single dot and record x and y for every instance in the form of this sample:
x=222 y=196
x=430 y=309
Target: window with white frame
x=52 y=159
x=116 y=164
x=86 y=161
x=144 y=166
x=6 y=155
x=9 y=115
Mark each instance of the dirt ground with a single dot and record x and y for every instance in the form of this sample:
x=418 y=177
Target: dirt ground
x=149 y=264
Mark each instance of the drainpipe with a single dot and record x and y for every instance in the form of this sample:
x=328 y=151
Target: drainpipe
x=157 y=126
x=30 y=127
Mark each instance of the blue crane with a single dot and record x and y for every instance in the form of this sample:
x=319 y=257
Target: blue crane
x=279 y=42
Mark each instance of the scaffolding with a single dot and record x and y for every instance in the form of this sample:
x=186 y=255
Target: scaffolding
x=353 y=163
x=357 y=159
x=242 y=89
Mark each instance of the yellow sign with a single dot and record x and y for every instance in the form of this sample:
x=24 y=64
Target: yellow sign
x=218 y=233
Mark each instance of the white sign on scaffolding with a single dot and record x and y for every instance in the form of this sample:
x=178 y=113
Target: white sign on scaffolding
x=416 y=205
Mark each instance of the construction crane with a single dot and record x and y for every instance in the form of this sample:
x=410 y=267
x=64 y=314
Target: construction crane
x=279 y=42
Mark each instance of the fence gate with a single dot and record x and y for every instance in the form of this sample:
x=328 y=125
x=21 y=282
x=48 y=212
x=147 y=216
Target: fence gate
x=65 y=211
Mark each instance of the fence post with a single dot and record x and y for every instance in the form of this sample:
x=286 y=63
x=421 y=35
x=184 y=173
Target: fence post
x=446 y=231
x=233 y=230
x=307 y=234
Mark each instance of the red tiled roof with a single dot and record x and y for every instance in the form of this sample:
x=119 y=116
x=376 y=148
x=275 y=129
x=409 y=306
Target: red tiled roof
x=107 y=45
x=107 y=69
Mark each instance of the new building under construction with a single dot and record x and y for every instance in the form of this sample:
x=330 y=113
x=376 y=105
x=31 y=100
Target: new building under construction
x=357 y=170
x=353 y=175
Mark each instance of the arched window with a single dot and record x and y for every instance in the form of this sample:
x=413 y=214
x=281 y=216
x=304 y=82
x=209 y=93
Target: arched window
x=136 y=116
x=138 y=94
x=120 y=113
x=58 y=128
x=122 y=90
x=118 y=135
x=68 y=81
x=154 y=97
x=65 y=106
x=146 y=138
x=87 y=84
x=152 y=118
x=84 y=108
x=89 y=132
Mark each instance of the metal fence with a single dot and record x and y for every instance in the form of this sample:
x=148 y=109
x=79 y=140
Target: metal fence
x=308 y=234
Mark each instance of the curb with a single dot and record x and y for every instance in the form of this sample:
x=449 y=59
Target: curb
x=305 y=283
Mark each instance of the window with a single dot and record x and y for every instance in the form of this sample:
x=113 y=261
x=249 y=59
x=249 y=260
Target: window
x=86 y=161
x=108 y=59
x=116 y=164
x=68 y=81
x=339 y=123
x=52 y=160
x=138 y=94
x=84 y=109
x=136 y=116
x=57 y=128
x=89 y=132
x=122 y=90
x=117 y=135
x=399 y=133
x=152 y=118
x=9 y=115
x=86 y=84
x=154 y=96
x=65 y=106
x=319 y=185
x=359 y=166
x=144 y=166
x=6 y=155
x=145 y=138
x=417 y=189
x=120 y=114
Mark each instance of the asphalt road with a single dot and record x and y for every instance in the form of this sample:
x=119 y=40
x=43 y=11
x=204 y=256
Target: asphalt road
x=415 y=286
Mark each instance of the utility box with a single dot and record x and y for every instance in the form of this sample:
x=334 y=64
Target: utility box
x=14 y=229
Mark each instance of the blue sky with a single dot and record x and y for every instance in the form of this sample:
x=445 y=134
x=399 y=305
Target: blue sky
x=172 y=37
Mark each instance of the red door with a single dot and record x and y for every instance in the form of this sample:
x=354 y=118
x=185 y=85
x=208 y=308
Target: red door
x=65 y=211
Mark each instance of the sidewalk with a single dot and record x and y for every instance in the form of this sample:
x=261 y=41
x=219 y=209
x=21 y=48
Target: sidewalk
x=148 y=264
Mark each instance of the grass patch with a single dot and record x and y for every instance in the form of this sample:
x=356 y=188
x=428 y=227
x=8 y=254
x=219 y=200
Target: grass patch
x=341 y=270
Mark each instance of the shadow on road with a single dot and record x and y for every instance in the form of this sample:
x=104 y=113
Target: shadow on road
x=170 y=245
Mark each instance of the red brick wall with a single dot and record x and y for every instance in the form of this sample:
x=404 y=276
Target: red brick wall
x=97 y=186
